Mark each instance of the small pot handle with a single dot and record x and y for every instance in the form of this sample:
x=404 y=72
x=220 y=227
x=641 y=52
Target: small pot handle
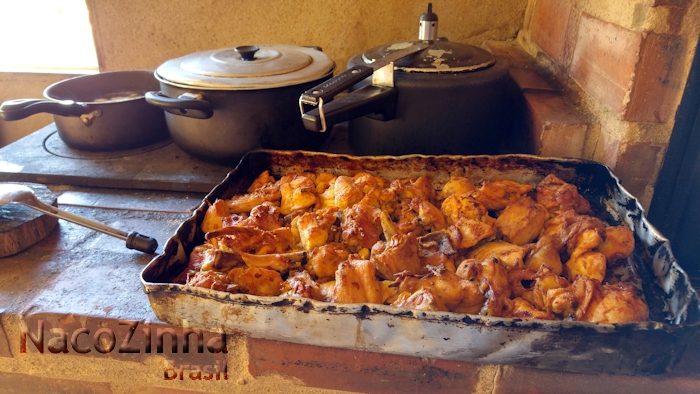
x=22 y=108
x=190 y=105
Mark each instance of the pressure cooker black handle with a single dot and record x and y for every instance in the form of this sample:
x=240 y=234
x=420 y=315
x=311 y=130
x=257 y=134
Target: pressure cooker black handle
x=191 y=105
x=332 y=87
x=22 y=108
x=379 y=101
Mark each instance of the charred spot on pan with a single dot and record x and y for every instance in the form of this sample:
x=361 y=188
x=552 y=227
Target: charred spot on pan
x=306 y=307
x=283 y=302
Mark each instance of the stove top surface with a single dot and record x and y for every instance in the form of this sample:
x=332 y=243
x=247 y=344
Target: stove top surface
x=42 y=157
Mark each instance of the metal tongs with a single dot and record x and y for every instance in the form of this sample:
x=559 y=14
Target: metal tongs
x=20 y=194
x=360 y=102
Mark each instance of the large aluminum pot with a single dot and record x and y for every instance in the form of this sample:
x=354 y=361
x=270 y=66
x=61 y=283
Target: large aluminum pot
x=220 y=104
x=98 y=112
x=428 y=96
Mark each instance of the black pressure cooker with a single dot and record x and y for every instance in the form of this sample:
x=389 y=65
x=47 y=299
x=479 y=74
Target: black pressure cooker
x=429 y=96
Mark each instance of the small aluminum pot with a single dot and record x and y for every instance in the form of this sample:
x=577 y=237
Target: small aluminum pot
x=99 y=112
x=223 y=103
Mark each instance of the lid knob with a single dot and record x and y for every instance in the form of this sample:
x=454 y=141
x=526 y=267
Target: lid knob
x=428 y=25
x=247 y=52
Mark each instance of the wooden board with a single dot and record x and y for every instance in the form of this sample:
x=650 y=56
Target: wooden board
x=21 y=226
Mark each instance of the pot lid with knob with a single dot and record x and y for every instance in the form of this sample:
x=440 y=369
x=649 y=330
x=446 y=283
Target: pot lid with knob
x=248 y=67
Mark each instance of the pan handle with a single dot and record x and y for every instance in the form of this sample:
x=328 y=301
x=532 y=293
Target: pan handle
x=191 y=105
x=22 y=108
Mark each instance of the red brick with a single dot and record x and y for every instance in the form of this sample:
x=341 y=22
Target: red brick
x=360 y=371
x=529 y=79
x=20 y=383
x=513 y=54
x=4 y=344
x=550 y=26
x=557 y=130
x=604 y=61
x=658 y=79
x=526 y=380
x=673 y=3
x=636 y=166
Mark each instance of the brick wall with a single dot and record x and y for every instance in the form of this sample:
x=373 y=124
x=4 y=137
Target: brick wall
x=624 y=65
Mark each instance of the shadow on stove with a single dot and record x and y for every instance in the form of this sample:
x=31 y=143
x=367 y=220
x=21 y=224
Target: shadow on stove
x=55 y=146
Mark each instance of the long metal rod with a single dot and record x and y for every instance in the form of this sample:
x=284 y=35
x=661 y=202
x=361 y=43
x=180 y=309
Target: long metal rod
x=61 y=214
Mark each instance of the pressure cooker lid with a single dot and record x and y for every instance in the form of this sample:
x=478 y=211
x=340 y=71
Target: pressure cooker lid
x=247 y=67
x=441 y=57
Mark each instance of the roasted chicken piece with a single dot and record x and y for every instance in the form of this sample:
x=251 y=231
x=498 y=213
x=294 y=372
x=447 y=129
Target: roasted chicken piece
x=467 y=233
x=211 y=280
x=544 y=281
x=522 y=221
x=238 y=239
x=264 y=180
x=590 y=264
x=361 y=226
x=523 y=309
x=356 y=282
x=545 y=253
x=341 y=193
x=497 y=194
x=492 y=279
x=384 y=199
x=219 y=260
x=323 y=260
x=245 y=202
x=558 y=196
x=214 y=216
x=435 y=249
x=366 y=182
x=297 y=193
x=469 y=221
x=616 y=303
x=424 y=299
x=398 y=254
x=326 y=289
x=572 y=301
x=323 y=181
x=618 y=243
x=300 y=284
x=198 y=256
x=419 y=216
x=456 y=185
x=390 y=292
x=459 y=295
x=408 y=188
x=265 y=216
x=506 y=253
x=315 y=228
x=460 y=207
x=280 y=262
x=256 y=281
x=585 y=234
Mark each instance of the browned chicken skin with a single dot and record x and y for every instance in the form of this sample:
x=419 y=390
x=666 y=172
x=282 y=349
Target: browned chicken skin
x=522 y=221
x=523 y=251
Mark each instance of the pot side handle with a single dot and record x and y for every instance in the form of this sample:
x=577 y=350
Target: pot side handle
x=187 y=104
x=377 y=101
x=22 y=108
